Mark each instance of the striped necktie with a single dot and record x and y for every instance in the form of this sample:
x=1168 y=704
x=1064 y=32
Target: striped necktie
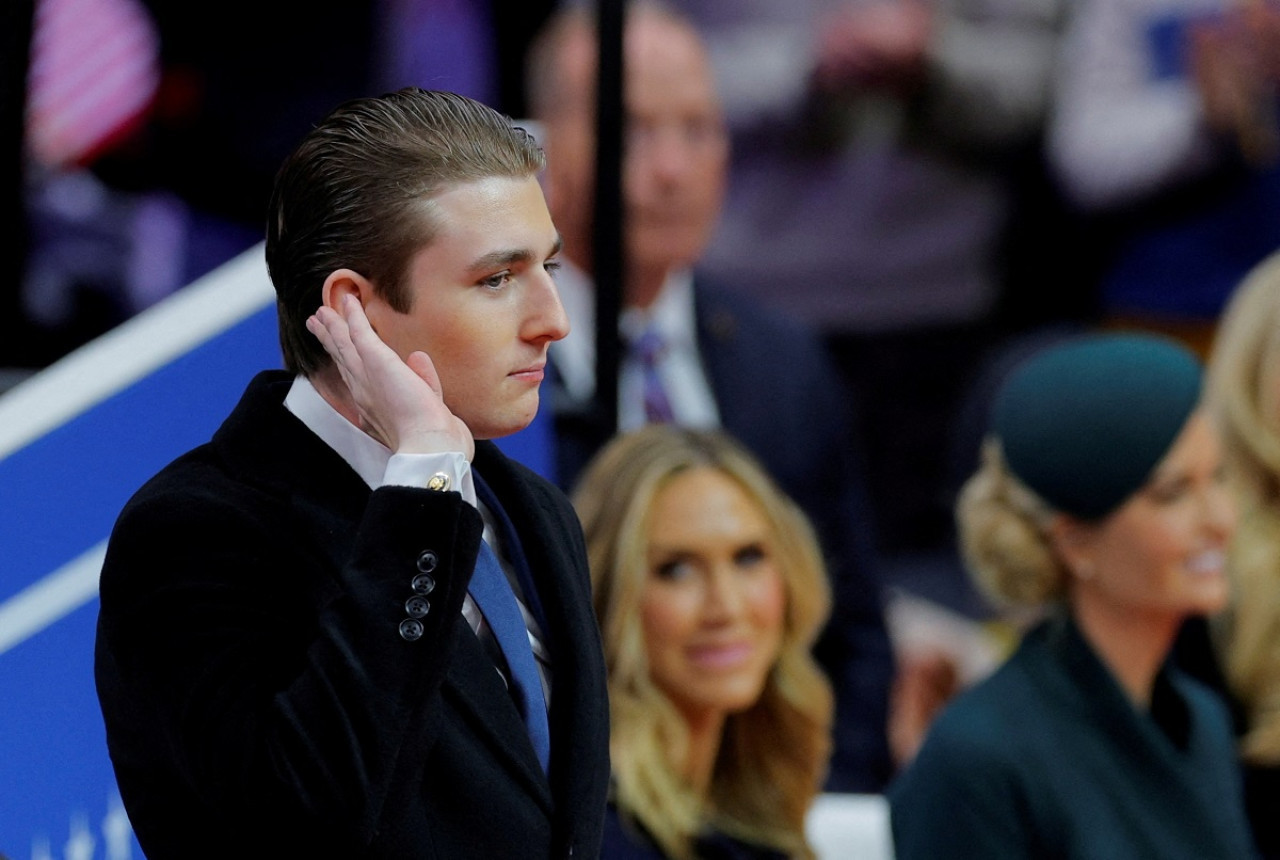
x=648 y=350
x=493 y=594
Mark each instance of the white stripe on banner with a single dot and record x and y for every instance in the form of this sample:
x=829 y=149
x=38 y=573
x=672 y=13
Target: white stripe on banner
x=56 y=595
x=133 y=349
x=96 y=372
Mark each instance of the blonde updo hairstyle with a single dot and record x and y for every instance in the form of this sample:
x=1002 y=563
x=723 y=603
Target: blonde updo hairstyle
x=1004 y=537
x=773 y=756
x=1076 y=429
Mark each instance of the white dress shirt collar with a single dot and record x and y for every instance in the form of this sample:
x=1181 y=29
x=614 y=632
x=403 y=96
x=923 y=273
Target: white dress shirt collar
x=366 y=455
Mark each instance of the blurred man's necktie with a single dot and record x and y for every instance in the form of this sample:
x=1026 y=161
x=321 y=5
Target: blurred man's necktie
x=648 y=349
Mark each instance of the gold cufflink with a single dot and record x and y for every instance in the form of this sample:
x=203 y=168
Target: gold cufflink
x=439 y=482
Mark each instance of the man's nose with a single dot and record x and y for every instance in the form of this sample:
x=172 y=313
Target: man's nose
x=547 y=320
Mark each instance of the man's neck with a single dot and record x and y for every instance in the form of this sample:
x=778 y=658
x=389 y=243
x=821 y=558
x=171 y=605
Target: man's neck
x=643 y=286
x=328 y=384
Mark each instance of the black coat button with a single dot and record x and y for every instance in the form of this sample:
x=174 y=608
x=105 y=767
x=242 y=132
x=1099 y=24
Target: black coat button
x=417 y=606
x=424 y=583
x=411 y=629
x=428 y=560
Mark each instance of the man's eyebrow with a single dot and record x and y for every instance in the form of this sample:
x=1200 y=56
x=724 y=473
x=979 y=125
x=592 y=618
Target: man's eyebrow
x=508 y=256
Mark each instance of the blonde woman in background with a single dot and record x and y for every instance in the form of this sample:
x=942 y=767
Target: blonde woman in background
x=1100 y=499
x=1244 y=390
x=709 y=588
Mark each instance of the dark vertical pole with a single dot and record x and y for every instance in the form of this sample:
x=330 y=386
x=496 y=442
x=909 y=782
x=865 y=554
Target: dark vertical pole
x=607 y=249
x=15 y=51
x=514 y=26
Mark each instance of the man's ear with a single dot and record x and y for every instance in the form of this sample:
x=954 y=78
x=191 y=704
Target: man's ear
x=344 y=282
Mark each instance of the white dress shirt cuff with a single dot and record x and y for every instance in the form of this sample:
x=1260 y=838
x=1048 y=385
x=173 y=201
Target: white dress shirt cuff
x=413 y=470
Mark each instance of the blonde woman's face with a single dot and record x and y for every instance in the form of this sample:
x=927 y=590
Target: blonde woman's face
x=714 y=602
x=1163 y=552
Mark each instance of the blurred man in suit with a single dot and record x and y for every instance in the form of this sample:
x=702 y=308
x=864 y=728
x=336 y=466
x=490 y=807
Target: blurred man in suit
x=699 y=355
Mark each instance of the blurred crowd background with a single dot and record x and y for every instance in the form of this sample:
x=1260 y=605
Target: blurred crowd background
x=921 y=182
x=928 y=188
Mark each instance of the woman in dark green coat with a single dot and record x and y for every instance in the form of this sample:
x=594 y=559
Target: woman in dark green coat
x=1100 y=499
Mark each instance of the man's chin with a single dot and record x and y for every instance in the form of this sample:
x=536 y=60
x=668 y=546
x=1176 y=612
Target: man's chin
x=662 y=250
x=498 y=426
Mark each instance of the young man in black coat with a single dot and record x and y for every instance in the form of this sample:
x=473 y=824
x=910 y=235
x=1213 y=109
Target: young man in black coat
x=303 y=639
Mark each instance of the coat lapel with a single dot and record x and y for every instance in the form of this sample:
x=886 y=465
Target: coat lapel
x=559 y=572
x=476 y=689
x=280 y=455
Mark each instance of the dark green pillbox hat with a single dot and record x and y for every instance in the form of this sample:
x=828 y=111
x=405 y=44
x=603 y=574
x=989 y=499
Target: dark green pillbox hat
x=1085 y=421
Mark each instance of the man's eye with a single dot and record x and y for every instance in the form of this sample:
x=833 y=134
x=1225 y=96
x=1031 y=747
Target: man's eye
x=497 y=281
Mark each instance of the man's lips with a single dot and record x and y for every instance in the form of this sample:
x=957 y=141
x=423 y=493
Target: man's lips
x=532 y=373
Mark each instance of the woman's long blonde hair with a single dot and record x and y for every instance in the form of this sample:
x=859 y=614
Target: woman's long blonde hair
x=1243 y=389
x=773 y=756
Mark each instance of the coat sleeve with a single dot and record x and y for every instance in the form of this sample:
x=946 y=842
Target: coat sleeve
x=259 y=642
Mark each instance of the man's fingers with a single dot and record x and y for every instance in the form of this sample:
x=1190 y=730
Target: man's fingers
x=354 y=317
x=321 y=333
x=335 y=336
x=399 y=403
x=420 y=363
x=359 y=329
